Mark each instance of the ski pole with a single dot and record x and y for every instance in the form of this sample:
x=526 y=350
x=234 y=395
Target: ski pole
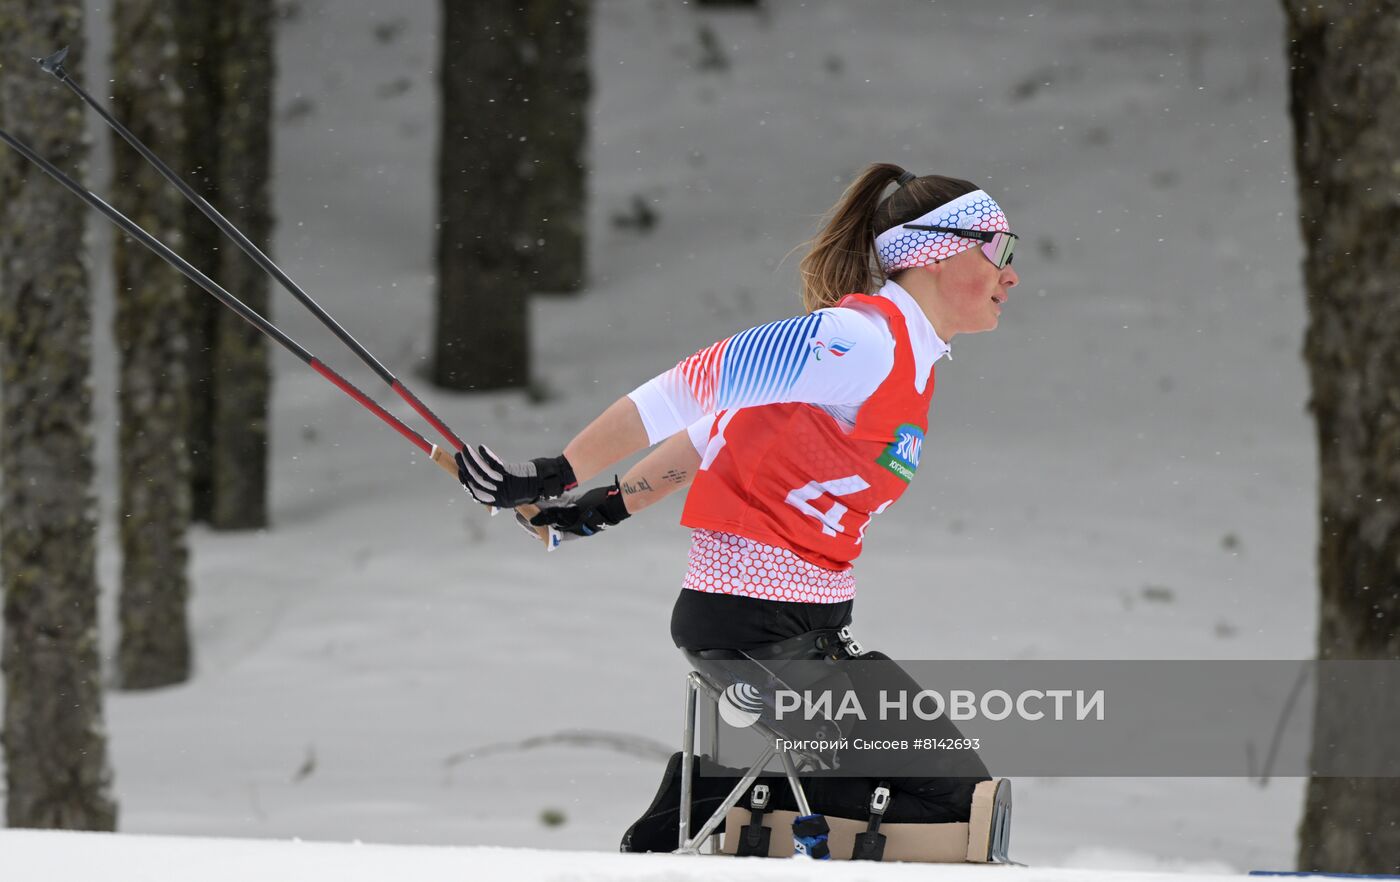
x=161 y=250
x=53 y=64
x=438 y=455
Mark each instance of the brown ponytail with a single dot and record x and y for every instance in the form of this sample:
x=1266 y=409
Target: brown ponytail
x=842 y=258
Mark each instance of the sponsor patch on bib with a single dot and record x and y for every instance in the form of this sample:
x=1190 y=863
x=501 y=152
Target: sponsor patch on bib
x=902 y=456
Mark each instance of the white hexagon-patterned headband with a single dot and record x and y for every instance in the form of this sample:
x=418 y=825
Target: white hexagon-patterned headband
x=899 y=248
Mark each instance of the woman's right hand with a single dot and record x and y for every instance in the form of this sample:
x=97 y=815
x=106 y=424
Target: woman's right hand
x=508 y=484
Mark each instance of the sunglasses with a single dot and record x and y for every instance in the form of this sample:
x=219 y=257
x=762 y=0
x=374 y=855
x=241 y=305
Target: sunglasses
x=998 y=246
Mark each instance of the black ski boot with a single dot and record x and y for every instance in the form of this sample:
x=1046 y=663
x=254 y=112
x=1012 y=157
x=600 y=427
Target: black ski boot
x=658 y=828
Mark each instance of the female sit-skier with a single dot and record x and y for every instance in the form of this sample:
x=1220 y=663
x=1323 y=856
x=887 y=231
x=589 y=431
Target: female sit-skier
x=792 y=436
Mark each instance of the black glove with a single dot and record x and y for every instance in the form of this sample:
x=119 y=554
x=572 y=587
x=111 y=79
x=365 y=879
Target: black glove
x=508 y=484
x=583 y=515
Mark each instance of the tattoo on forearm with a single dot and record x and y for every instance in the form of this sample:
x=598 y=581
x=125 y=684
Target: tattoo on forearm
x=675 y=476
x=630 y=488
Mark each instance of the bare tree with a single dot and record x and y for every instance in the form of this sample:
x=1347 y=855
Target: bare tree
x=55 y=750
x=151 y=331
x=242 y=373
x=559 y=90
x=482 y=339
x=227 y=70
x=199 y=75
x=1344 y=74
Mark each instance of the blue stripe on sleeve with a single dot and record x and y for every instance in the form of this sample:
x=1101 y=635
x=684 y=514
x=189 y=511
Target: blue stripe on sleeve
x=798 y=359
x=740 y=358
x=779 y=383
x=761 y=364
x=732 y=367
x=766 y=345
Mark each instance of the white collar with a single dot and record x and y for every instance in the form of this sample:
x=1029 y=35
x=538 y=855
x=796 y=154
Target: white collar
x=928 y=346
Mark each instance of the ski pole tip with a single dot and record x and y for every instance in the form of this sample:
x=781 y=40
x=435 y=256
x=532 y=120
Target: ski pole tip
x=53 y=64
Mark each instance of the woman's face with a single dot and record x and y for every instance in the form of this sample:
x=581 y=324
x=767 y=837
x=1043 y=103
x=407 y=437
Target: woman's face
x=971 y=291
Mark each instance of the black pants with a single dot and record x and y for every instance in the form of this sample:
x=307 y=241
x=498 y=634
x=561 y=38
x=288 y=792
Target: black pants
x=701 y=620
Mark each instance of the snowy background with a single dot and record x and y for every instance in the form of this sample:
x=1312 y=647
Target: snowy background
x=1124 y=470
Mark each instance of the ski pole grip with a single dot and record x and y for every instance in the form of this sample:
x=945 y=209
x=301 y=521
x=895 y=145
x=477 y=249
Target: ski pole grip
x=444 y=460
x=448 y=464
x=548 y=535
x=529 y=511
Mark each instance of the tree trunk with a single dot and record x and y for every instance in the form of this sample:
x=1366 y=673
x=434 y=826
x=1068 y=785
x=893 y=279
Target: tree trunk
x=153 y=393
x=198 y=73
x=1345 y=72
x=226 y=76
x=242 y=374
x=54 y=744
x=556 y=199
x=482 y=337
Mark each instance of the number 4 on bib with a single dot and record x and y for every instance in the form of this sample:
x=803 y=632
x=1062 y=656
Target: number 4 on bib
x=801 y=498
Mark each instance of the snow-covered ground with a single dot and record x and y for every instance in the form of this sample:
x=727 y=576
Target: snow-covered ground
x=1137 y=421
x=143 y=858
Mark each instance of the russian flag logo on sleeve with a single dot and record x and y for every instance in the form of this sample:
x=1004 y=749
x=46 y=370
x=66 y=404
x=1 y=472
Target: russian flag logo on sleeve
x=837 y=347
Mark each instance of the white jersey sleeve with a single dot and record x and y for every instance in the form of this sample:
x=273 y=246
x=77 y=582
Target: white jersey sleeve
x=699 y=432
x=833 y=357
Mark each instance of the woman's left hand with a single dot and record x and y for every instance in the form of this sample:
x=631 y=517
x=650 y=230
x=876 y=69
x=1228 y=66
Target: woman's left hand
x=577 y=516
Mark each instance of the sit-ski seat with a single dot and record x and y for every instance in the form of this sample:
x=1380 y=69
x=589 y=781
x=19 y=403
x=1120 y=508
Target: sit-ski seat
x=984 y=838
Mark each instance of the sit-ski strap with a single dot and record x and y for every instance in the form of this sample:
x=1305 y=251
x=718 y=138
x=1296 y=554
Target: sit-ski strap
x=754 y=839
x=870 y=845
